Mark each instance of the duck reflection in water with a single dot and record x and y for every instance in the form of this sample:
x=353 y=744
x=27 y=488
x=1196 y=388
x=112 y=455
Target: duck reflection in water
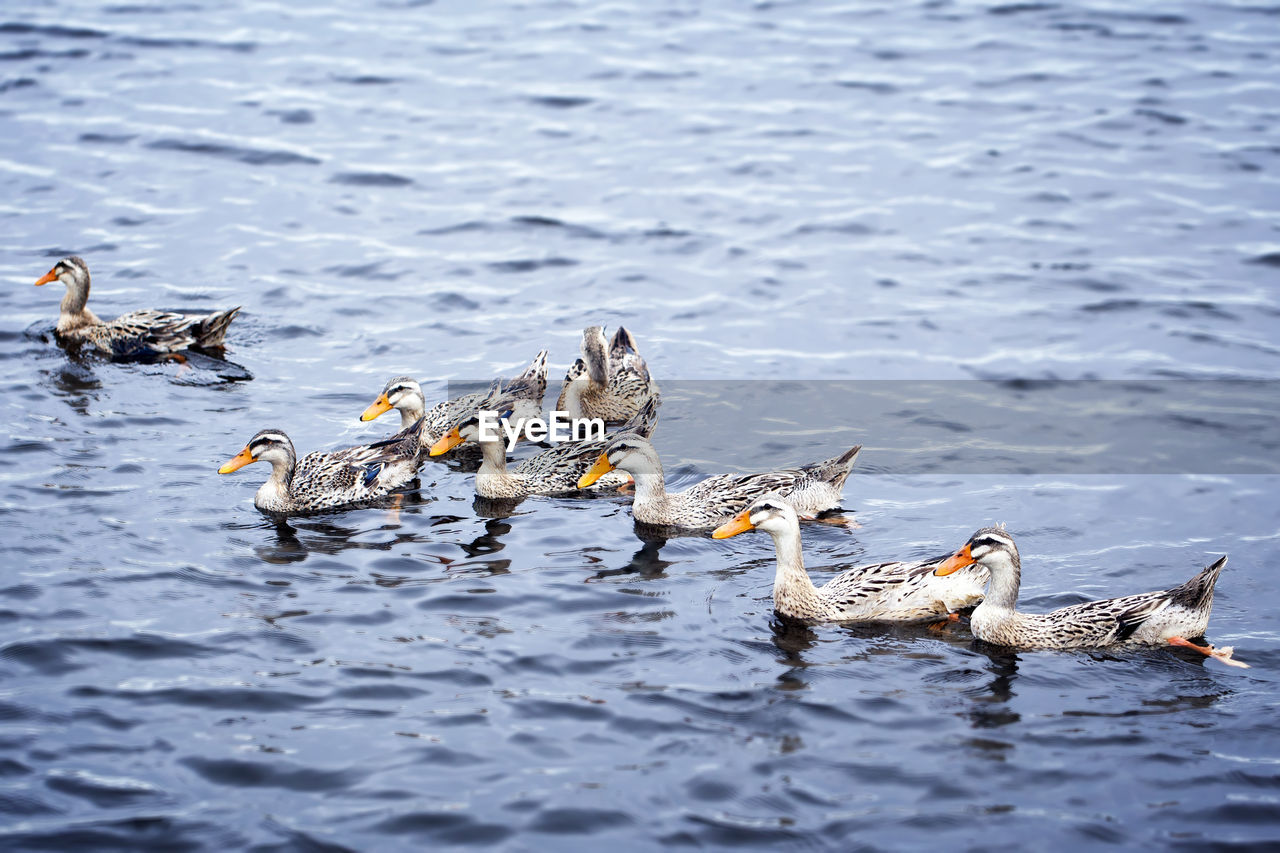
x=496 y=507
x=646 y=562
x=793 y=638
x=294 y=544
x=990 y=707
x=297 y=537
x=74 y=383
x=479 y=550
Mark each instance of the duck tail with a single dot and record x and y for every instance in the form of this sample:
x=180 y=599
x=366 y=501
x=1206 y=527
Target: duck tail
x=622 y=343
x=533 y=381
x=577 y=369
x=1197 y=593
x=836 y=470
x=210 y=330
x=645 y=418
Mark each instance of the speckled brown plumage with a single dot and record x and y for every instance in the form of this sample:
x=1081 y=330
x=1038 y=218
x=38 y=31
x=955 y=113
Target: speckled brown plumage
x=404 y=394
x=811 y=489
x=325 y=480
x=551 y=472
x=137 y=334
x=609 y=382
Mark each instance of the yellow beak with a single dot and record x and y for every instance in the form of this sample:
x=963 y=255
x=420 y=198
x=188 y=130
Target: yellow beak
x=377 y=407
x=740 y=523
x=450 y=440
x=46 y=278
x=956 y=562
x=241 y=459
x=596 y=471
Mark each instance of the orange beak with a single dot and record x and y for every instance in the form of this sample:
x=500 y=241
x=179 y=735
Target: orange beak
x=740 y=523
x=47 y=277
x=241 y=459
x=377 y=407
x=596 y=471
x=450 y=440
x=955 y=562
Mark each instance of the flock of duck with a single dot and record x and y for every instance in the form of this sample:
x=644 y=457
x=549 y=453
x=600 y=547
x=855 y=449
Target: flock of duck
x=611 y=382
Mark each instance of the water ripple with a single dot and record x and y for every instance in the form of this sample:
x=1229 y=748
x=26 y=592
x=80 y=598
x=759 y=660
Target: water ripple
x=1025 y=192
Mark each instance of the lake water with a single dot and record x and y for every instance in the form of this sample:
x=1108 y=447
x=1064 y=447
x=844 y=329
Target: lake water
x=978 y=198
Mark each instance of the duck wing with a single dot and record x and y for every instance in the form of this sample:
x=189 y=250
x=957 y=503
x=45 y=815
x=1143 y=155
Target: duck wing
x=1103 y=622
x=151 y=332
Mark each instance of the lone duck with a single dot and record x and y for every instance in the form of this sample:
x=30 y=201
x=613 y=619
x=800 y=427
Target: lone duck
x=137 y=334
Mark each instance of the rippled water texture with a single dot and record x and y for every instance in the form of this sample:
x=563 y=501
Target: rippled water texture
x=772 y=191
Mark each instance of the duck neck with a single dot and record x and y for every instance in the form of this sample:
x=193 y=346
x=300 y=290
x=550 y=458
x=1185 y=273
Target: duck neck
x=277 y=491
x=1006 y=578
x=598 y=369
x=410 y=414
x=791 y=583
x=493 y=480
x=575 y=392
x=73 y=313
x=651 y=488
x=493 y=461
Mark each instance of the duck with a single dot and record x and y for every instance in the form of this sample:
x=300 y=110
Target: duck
x=878 y=592
x=610 y=381
x=552 y=472
x=404 y=394
x=1167 y=616
x=811 y=489
x=327 y=480
x=145 y=333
